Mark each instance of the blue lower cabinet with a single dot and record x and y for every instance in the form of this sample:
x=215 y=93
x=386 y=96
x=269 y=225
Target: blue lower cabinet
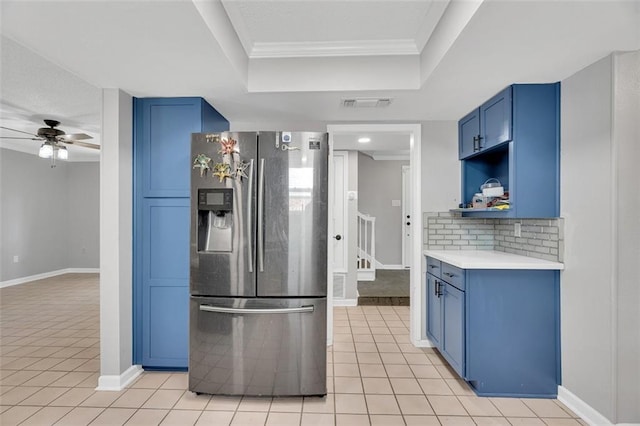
x=513 y=334
x=500 y=331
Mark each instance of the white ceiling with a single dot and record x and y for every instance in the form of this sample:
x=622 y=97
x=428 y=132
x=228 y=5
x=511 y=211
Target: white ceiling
x=287 y=64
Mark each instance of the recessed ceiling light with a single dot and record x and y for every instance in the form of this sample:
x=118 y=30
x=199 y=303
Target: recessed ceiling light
x=364 y=140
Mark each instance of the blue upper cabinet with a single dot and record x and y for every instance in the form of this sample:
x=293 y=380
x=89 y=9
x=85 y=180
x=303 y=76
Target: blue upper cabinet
x=487 y=126
x=162 y=169
x=519 y=144
x=163 y=130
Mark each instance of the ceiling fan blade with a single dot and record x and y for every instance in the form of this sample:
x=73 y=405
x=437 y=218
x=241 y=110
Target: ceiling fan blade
x=84 y=144
x=13 y=137
x=15 y=130
x=76 y=137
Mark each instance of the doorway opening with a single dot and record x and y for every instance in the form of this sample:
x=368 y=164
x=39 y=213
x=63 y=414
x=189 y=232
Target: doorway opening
x=378 y=197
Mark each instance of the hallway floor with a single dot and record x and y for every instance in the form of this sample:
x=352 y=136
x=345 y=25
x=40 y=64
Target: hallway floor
x=49 y=342
x=390 y=288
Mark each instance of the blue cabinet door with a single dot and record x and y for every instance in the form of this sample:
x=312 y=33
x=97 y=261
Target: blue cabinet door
x=468 y=132
x=452 y=345
x=168 y=124
x=165 y=282
x=495 y=120
x=434 y=323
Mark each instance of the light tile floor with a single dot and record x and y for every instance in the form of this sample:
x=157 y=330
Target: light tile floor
x=49 y=347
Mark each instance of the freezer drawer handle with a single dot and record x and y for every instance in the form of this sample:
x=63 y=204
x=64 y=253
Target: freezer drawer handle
x=303 y=309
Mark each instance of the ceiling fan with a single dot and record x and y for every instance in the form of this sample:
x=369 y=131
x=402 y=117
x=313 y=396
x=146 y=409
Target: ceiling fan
x=54 y=141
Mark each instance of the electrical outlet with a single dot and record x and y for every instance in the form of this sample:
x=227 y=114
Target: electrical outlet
x=16 y=259
x=517 y=229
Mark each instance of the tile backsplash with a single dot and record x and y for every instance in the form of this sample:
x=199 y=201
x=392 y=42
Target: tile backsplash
x=539 y=238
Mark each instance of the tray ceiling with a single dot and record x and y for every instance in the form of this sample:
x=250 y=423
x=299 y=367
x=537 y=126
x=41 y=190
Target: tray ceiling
x=333 y=28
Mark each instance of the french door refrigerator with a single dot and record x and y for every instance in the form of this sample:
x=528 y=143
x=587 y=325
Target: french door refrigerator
x=258 y=273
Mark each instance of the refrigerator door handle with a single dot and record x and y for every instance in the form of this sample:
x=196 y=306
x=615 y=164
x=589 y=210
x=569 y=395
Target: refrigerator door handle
x=249 y=202
x=220 y=309
x=261 y=216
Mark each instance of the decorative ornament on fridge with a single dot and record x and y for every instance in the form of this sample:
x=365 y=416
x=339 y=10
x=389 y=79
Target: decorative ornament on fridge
x=202 y=161
x=221 y=171
x=227 y=146
x=240 y=170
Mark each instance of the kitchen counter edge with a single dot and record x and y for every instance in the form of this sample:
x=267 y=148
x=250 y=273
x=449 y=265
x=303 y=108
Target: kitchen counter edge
x=491 y=259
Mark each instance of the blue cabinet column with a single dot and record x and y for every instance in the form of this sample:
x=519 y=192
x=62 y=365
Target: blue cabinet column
x=161 y=171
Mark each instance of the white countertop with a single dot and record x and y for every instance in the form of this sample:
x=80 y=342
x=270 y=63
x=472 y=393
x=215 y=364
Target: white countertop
x=490 y=259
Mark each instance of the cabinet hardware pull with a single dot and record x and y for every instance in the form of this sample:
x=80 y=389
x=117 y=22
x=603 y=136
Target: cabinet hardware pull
x=449 y=274
x=438 y=288
x=475 y=143
x=433 y=266
x=480 y=142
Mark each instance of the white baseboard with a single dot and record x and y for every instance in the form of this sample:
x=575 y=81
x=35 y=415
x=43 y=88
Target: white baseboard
x=423 y=343
x=581 y=408
x=390 y=267
x=119 y=382
x=44 y=275
x=345 y=302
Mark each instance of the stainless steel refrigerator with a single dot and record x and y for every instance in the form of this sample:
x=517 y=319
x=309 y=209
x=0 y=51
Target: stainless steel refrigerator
x=258 y=280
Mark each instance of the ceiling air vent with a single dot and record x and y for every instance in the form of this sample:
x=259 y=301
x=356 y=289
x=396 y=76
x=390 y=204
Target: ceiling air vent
x=366 y=102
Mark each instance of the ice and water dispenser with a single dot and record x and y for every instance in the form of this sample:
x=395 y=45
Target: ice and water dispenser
x=215 y=219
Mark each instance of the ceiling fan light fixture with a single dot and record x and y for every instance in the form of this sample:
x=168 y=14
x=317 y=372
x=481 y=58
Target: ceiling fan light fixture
x=46 y=151
x=62 y=153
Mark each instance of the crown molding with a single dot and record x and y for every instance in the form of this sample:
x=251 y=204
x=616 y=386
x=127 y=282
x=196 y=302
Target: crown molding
x=262 y=50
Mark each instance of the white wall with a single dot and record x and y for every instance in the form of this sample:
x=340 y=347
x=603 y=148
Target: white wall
x=379 y=182
x=83 y=216
x=49 y=215
x=626 y=139
x=586 y=170
x=440 y=166
x=600 y=198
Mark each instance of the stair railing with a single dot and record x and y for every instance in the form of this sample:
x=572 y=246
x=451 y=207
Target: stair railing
x=366 y=247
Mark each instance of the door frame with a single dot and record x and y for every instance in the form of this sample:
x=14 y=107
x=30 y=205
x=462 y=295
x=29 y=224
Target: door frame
x=345 y=210
x=414 y=130
x=406 y=180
